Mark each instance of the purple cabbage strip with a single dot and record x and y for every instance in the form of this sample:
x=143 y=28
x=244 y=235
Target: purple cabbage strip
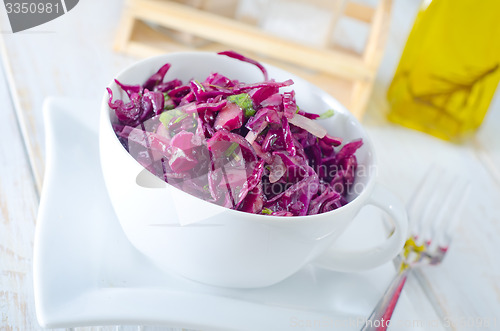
x=167 y=86
x=296 y=199
x=289 y=104
x=240 y=57
x=217 y=80
x=156 y=78
x=155 y=99
x=179 y=91
x=333 y=141
x=308 y=115
x=129 y=89
x=260 y=94
x=287 y=136
x=129 y=113
x=349 y=149
x=245 y=87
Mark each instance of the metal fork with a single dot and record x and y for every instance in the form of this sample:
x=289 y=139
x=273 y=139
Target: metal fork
x=433 y=212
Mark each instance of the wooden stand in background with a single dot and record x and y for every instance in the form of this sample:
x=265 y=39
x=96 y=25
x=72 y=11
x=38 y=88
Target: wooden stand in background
x=152 y=27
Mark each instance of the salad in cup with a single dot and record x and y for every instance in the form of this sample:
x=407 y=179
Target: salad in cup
x=248 y=147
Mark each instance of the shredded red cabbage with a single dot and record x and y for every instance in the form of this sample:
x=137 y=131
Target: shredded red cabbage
x=242 y=146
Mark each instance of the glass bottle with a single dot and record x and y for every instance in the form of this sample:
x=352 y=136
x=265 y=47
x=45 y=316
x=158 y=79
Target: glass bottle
x=449 y=69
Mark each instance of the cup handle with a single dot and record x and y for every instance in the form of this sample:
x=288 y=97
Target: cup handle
x=351 y=261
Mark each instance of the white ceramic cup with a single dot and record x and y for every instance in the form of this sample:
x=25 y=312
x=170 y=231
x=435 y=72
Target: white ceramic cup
x=224 y=247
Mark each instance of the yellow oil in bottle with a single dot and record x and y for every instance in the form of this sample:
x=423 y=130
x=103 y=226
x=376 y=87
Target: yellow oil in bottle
x=449 y=69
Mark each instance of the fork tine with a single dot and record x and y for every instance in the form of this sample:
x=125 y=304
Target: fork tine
x=448 y=189
x=460 y=195
x=454 y=189
x=419 y=198
x=429 y=206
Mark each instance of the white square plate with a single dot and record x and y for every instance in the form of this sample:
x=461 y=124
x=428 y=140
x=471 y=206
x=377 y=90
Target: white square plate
x=87 y=273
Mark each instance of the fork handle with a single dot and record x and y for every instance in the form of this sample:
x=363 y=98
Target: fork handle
x=379 y=320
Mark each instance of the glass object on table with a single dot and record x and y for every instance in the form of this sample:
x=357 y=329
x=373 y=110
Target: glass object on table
x=449 y=69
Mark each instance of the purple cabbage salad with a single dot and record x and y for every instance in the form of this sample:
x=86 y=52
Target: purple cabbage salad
x=247 y=147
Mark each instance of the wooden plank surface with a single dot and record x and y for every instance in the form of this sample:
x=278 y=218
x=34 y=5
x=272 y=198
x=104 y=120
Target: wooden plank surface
x=65 y=57
x=36 y=64
x=18 y=207
x=73 y=57
x=465 y=286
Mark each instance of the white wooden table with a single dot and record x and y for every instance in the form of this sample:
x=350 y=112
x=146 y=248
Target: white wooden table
x=72 y=56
